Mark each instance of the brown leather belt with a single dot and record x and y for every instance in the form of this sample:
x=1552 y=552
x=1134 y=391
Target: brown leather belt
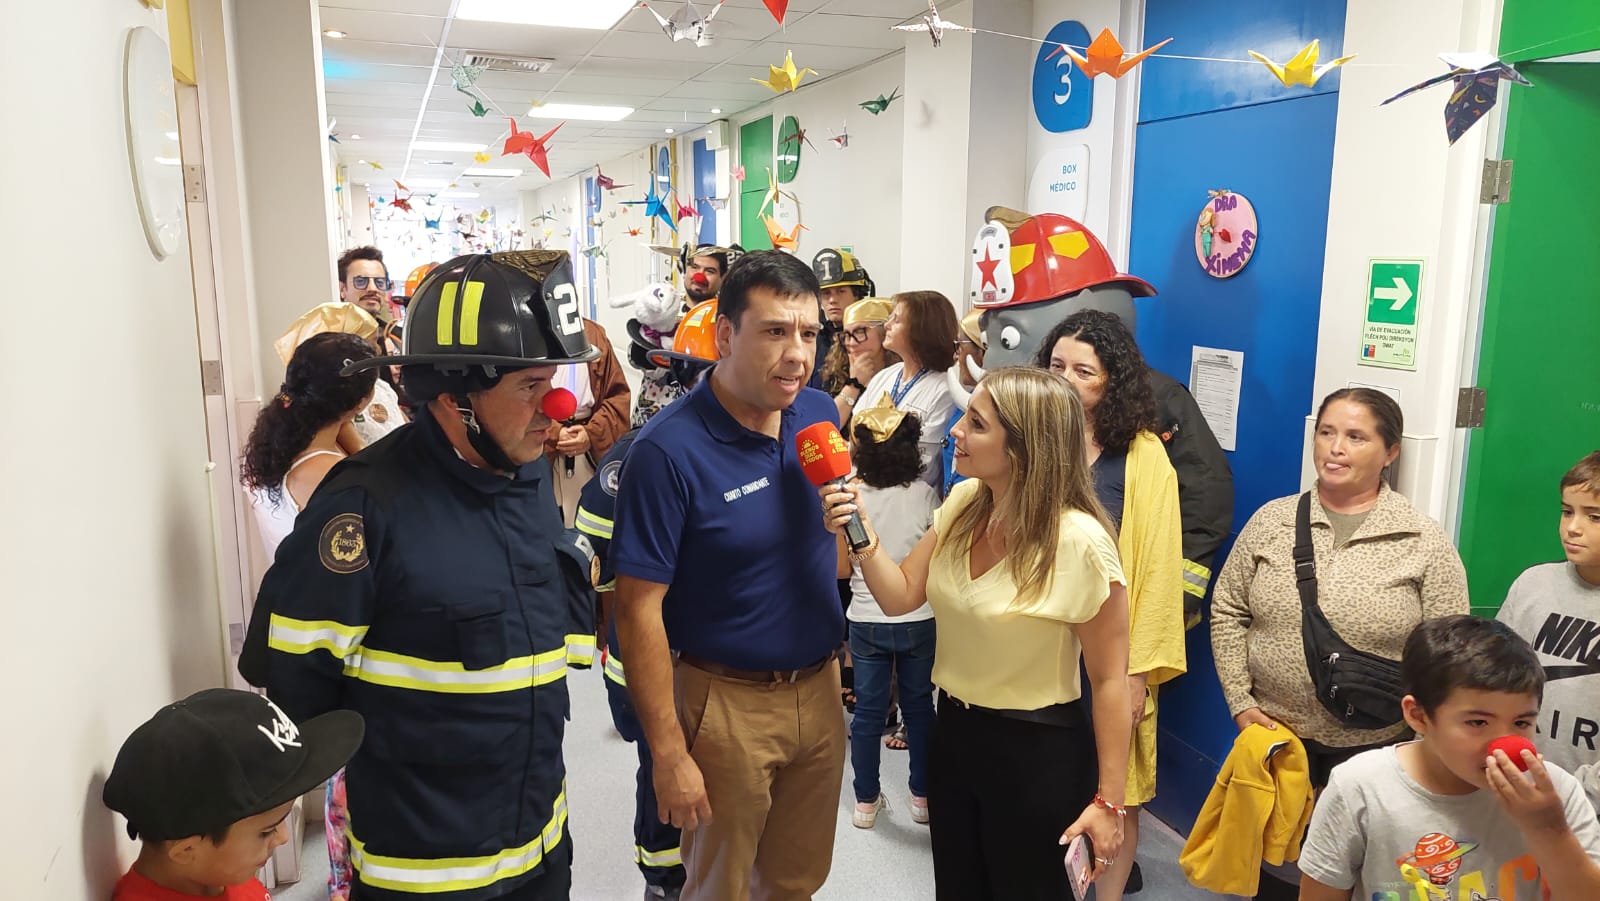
x=762 y=676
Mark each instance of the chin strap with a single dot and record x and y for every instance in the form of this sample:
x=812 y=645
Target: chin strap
x=487 y=447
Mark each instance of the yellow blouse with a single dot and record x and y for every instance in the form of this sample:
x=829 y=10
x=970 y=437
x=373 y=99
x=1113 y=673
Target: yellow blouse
x=993 y=653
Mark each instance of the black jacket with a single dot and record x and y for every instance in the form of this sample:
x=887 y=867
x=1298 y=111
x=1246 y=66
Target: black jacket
x=1205 y=485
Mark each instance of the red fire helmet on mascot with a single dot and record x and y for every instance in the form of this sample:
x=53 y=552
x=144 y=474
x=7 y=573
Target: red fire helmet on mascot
x=1022 y=259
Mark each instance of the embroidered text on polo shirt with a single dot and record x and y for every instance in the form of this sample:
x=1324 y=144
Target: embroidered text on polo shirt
x=729 y=497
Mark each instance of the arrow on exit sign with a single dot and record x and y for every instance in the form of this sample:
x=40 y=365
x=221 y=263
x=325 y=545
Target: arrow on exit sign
x=1400 y=294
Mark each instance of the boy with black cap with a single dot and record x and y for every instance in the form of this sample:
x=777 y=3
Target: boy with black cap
x=206 y=784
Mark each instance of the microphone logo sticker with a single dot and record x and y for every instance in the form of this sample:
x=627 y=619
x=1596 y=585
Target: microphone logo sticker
x=810 y=453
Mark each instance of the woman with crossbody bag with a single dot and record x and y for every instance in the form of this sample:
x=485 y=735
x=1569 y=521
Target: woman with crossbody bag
x=1375 y=567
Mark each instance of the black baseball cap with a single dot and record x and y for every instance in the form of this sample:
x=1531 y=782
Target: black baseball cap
x=221 y=755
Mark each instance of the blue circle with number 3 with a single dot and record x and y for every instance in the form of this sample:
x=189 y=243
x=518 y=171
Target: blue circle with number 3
x=1063 y=97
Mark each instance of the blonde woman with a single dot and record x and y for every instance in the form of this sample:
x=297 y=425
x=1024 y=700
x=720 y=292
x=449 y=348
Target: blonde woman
x=1020 y=558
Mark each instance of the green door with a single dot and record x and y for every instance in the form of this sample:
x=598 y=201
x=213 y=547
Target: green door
x=755 y=155
x=1539 y=357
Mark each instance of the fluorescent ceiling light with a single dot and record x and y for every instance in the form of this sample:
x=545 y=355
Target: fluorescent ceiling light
x=580 y=111
x=594 y=14
x=169 y=161
x=670 y=131
x=716 y=111
x=334 y=33
x=172 y=136
x=493 y=173
x=458 y=195
x=355 y=137
x=428 y=182
x=462 y=146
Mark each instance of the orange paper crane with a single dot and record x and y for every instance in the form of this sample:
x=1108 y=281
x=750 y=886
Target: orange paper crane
x=524 y=142
x=780 y=240
x=1105 y=56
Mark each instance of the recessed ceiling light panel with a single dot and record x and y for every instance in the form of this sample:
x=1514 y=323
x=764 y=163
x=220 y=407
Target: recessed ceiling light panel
x=593 y=14
x=583 y=111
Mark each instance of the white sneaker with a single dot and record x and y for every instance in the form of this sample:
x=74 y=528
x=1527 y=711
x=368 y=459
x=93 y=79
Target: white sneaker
x=919 y=809
x=866 y=812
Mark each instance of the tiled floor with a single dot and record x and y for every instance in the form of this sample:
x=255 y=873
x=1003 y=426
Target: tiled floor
x=887 y=863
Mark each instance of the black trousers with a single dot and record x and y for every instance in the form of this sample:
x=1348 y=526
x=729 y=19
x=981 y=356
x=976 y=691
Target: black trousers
x=1000 y=793
x=554 y=884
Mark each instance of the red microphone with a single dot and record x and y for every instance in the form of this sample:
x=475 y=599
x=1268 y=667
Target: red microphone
x=1513 y=745
x=825 y=458
x=560 y=405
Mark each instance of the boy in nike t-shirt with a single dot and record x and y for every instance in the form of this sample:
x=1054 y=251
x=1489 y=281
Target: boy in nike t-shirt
x=1556 y=607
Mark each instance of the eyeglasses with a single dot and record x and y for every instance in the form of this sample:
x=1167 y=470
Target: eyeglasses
x=361 y=282
x=857 y=335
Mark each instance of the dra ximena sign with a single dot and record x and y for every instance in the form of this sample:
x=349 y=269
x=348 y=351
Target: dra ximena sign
x=1225 y=234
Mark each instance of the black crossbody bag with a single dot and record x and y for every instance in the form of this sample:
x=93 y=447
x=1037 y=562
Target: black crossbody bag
x=1360 y=690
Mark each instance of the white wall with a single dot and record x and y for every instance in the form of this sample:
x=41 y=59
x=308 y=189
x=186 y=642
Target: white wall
x=107 y=577
x=850 y=197
x=1399 y=190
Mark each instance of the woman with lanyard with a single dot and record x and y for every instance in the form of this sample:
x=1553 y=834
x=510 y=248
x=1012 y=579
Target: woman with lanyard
x=1021 y=572
x=922 y=329
x=1381 y=568
x=1136 y=484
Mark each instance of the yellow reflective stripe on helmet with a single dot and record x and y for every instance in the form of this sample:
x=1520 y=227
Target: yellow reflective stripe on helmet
x=444 y=326
x=1021 y=257
x=451 y=677
x=580 y=650
x=1196 y=578
x=614 y=670
x=300 y=636
x=471 y=302
x=671 y=857
x=590 y=524
x=1070 y=244
x=427 y=876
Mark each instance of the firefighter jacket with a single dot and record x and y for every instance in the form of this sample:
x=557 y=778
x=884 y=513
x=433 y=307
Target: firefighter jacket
x=1205 y=485
x=444 y=603
x=596 y=519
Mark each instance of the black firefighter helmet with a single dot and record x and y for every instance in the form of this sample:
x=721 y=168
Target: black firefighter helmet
x=480 y=316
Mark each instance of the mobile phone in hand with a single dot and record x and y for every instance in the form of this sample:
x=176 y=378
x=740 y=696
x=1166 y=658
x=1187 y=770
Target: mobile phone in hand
x=1080 y=865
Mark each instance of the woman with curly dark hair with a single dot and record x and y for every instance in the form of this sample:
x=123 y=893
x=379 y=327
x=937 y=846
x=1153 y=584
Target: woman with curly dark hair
x=1137 y=486
x=295 y=439
x=891 y=654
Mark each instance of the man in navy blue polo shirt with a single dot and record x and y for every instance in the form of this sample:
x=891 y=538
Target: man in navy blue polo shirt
x=727 y=607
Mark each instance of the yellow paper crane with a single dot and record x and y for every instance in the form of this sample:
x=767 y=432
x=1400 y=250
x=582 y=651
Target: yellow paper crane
x=1105 y=56
x=783 y=241
x=785 y=79
x=774 y=194
x=480 y=158
x=1302 y=68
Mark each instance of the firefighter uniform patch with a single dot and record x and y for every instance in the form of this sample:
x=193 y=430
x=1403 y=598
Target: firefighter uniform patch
x=342 y=546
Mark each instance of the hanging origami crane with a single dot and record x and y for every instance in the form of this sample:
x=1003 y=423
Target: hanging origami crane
x=464 y=77
x=634 y=232
x=547 y=216
x=799 y=134
x=685 y=212
x=1477 y=78
x=842 y=139
x=934 y=25
x=535 y=148
x=478 y=109
x=1302 y=68
x=431 y=224
x=597 y=251
x=687 y=24
x=737 y=172
x=1105 y=56
x=783 y=241
x=774 y=194
x=881 y=103
x=655 y=206
x=786 y=79
x=480 y=158
x=377 y=166
x=401 y=203
x=605 y=181
x=778 y=8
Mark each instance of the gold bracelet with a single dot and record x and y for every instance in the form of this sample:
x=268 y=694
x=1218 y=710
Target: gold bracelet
x=868 y=552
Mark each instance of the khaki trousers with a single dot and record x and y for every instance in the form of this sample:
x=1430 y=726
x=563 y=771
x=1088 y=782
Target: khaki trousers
x=772 y=756
x=567 y=488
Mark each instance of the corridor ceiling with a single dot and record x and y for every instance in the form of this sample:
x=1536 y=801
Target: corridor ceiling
x=377 y=80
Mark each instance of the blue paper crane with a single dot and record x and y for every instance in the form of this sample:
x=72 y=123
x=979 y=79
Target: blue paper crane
x=655 y=206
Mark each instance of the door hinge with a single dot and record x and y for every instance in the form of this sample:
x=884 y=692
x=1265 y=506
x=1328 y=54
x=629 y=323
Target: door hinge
x=194 y=183
x=211 y=378
x=1469 y=408
x=1496 y=187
